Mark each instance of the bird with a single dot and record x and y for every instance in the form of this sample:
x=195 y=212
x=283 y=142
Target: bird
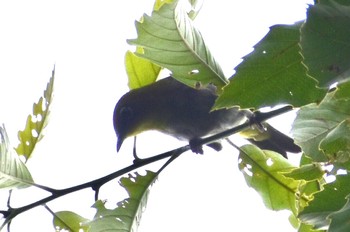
x=176 y=109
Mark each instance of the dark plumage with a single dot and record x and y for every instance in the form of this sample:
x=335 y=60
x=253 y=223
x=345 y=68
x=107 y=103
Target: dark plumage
x=183 y=112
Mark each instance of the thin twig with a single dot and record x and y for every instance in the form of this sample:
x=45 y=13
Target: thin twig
x=232 y=143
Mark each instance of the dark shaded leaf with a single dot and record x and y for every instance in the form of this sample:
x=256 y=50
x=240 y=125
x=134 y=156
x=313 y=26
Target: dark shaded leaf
x=330 y=200
x=325 y=42
x=336 y=145
x=340 y=220
x=272 y=74
x=314 y=122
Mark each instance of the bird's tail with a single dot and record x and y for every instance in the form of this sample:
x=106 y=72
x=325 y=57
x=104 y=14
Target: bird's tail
x=270 y=138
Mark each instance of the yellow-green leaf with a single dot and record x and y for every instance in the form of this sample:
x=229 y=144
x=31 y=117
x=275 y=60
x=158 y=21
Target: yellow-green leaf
x=69 y=221
x=307 y=172
x=36 y=123
x=140 y=71
x=262 y=170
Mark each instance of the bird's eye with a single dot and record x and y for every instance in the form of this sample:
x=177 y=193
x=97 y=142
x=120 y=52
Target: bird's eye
x=125 y=112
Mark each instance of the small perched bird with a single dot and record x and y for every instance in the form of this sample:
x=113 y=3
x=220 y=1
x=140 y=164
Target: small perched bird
x=174 y=108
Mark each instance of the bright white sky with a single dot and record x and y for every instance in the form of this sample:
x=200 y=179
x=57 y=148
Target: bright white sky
x=86 y=40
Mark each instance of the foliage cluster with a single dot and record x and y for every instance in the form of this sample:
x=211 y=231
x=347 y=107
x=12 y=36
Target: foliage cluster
x=305 y=65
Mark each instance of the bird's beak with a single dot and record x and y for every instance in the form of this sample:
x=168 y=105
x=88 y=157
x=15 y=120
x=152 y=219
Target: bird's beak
x=121 y=138
x=119 y=142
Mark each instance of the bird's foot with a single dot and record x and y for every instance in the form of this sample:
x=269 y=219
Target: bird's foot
x=195 y=146
x=256 y=120
x=215 y=145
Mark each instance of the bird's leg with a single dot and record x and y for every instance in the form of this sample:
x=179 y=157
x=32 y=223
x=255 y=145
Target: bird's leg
x=256 y=120
x=136 y=158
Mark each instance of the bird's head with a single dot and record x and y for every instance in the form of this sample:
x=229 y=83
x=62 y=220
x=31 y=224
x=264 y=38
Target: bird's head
x=124 y=119
x=147 y=108
x=132 y=116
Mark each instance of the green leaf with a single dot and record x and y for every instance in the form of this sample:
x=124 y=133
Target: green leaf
x=170 y=40
x=342 y=92
x=272 y=74
x=314 y=122
x=140 y=71
x=330 y=200
x=307 y=172
x=262 y=171
x=127 y=216
x=307 y=228
x=69 y=221
x=311 y=179
x=13 y=172
x=36 y=123
x=336 y=144
x=340 y=220
x=308 y=189
x=325 y=42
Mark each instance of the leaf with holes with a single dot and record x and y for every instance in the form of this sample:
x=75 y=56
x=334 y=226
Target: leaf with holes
x=262 y=170
x=127 y=216
x=13 y=172
x=36 y=123
x=169 y=39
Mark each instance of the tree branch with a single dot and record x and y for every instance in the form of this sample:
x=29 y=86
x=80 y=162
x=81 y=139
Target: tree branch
x=11 y=213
